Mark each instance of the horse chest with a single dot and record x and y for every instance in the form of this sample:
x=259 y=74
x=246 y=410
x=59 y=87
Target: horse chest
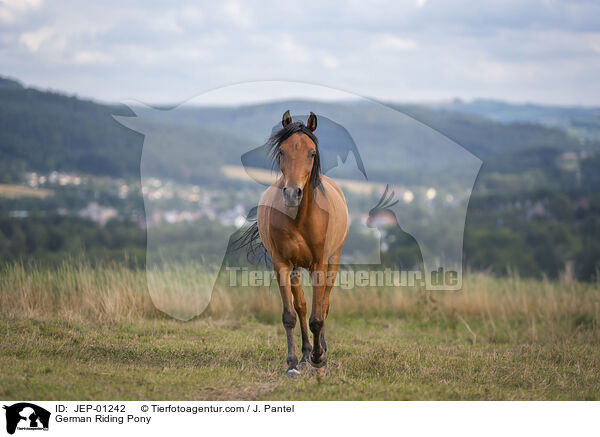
x=294 y=247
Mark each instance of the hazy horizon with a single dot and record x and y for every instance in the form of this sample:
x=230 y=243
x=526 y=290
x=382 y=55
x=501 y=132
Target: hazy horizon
x=249 y=101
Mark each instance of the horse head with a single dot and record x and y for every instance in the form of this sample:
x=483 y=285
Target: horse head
x=295 y=150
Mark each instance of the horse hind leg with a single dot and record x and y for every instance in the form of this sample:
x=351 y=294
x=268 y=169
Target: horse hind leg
x=331 y=279
x=318 y=358
x=300 y=306
x=332 y=270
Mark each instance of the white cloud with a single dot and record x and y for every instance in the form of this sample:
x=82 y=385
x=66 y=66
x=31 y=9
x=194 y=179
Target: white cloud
x=238 y=15
x=10 y=10
x=32 y=40
x=330 y=62
x=393 y=42
x=291 y=49
x=91 y=57
x=21 y=5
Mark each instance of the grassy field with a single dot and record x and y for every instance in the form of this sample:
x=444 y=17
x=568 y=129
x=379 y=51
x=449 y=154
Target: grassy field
x=93 y=333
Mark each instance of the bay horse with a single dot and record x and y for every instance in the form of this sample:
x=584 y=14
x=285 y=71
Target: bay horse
x=302 y=221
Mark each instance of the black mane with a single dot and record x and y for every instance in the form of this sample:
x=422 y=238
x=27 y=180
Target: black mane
x=274 y=143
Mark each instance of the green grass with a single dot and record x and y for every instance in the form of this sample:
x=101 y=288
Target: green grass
x=369 y=359
x=500 y=339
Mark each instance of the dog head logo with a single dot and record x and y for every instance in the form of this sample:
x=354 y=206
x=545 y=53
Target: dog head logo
x=26 y=416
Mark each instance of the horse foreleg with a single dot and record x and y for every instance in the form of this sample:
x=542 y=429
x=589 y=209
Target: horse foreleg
x=288 y=317
x=332 y=270
x=300 y=306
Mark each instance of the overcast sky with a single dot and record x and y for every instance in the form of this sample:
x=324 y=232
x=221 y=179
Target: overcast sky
x=419 y=50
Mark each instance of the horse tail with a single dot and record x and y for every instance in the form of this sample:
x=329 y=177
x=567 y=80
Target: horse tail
x=256 y=252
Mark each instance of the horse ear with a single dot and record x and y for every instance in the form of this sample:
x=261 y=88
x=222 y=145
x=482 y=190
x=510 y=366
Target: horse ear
x=286 y=119
x=311 y=123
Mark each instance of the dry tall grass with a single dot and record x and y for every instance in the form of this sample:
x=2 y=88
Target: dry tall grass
x=114 y=293
x=74 y=292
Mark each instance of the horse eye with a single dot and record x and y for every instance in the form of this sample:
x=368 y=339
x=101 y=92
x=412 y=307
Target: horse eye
x=313 y=154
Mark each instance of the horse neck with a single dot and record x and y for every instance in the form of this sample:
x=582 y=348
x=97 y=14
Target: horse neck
x=306 y=204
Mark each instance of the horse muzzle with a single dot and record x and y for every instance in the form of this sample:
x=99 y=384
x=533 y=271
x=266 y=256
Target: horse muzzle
x=292 y=196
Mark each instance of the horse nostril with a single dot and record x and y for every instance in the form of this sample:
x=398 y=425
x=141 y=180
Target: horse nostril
x=284 y=190
x=299 y=192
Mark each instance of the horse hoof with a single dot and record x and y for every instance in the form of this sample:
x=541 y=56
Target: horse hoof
x=292 y=373
x=317 y=365
x=302 y=365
